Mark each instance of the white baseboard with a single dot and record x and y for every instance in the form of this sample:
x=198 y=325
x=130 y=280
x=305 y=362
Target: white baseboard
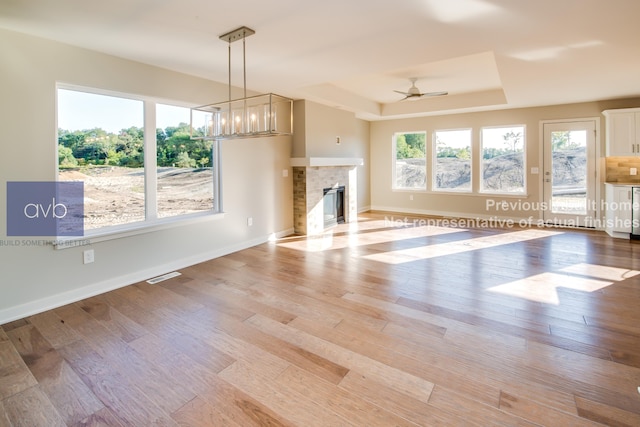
x=38 y=306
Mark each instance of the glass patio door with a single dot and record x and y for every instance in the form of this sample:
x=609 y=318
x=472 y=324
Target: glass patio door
x=569 y=173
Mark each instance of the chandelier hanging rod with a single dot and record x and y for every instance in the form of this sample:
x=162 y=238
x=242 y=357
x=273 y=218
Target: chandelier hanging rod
x=240 y=33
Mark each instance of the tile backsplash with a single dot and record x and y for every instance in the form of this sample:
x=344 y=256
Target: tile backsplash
x=618 y=169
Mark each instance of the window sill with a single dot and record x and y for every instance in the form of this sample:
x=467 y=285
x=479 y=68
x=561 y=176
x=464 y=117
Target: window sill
x=454 y=192
x=505 y=195
x=128 y=230
x=462 y=193
x=409 y=190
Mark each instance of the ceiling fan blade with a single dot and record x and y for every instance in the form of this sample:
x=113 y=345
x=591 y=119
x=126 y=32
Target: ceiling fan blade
x=414 y=93
x=435 y=93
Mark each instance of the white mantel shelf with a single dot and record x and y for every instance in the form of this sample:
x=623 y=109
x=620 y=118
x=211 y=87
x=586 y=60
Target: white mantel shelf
x=325 y=161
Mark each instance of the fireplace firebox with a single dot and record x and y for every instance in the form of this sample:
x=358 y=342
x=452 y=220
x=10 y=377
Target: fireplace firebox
x=333 y=203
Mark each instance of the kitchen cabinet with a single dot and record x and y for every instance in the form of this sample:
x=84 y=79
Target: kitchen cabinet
x=618 y=210
x=623 y=132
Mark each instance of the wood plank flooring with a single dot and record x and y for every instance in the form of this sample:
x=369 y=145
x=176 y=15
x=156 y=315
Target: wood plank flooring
x=383 y=322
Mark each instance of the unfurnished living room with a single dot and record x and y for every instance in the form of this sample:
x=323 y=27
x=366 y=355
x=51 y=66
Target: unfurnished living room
x=338 y=213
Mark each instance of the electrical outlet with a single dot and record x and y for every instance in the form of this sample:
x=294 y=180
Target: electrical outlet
x=249 y=222
x=285 y=173
x=410 y=196
x=633 y=171
x=88 y=256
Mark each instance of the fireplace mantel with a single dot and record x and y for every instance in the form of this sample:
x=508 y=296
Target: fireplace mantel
x=325 y=161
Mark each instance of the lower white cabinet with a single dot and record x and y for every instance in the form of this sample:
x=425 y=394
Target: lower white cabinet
x=618 y=210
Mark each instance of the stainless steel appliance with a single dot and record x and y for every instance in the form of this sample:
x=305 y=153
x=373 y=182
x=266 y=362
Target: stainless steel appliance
x=635 y=213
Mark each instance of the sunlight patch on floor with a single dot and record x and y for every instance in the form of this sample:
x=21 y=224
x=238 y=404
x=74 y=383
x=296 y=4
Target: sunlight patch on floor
x=544 y=287
x=580 y=277
x=352 y=236
x=601 y=271
x=450 y=248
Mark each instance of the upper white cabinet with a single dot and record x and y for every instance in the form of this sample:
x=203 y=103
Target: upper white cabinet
x=623 y=132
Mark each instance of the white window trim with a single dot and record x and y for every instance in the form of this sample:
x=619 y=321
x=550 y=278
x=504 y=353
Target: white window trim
x=393 y=165
x=434 y=159
x=151 y=222
x=524 y=191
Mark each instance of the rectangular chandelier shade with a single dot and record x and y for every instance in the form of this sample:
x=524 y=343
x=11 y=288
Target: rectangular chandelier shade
x=255 y=116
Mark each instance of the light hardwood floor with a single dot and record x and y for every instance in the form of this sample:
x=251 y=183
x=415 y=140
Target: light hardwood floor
x=379 y=323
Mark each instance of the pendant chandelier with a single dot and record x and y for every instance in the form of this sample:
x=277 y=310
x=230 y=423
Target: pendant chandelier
x=254 y=116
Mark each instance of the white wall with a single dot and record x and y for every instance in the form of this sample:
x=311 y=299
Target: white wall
x=383 y=198
x=34 y=278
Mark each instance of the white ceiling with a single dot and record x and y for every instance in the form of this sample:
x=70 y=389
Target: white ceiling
x=352 y=54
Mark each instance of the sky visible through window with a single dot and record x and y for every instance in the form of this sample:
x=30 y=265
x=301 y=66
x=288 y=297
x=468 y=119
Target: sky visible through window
x=82 y=110
x=494 y=137
x=455 y=138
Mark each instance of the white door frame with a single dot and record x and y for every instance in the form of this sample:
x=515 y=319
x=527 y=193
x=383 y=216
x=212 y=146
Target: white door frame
x=598 y=165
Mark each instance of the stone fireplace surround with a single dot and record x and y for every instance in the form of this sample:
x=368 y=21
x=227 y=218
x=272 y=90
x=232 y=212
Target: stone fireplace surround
x=310 y=177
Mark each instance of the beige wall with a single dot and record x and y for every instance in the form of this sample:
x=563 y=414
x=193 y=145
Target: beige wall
x=39 y=277
x=321 y=126
x=471 y=206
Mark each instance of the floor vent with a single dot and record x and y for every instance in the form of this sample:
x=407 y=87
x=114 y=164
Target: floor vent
x=163 y=277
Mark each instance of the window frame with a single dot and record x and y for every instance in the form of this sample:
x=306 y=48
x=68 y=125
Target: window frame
x=434 y=159
x=394 y=159
x=151 y=221
x=481 y=189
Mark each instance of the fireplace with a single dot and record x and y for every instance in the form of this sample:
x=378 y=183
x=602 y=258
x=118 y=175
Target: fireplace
x=325 y=193
x=333 y=206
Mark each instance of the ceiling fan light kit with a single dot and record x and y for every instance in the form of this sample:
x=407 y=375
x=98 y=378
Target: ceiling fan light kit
x=413 y=93
x=254 y=116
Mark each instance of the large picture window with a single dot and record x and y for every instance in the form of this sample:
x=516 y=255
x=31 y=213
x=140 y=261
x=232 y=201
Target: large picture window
x=131 y=176
x=184 y=166
x=503 y=160
x=452 y=160
x=410 y=161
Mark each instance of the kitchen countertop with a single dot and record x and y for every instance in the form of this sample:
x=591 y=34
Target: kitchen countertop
x=624 y=184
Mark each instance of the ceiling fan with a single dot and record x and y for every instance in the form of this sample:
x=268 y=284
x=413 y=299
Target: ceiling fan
x=414 y=93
